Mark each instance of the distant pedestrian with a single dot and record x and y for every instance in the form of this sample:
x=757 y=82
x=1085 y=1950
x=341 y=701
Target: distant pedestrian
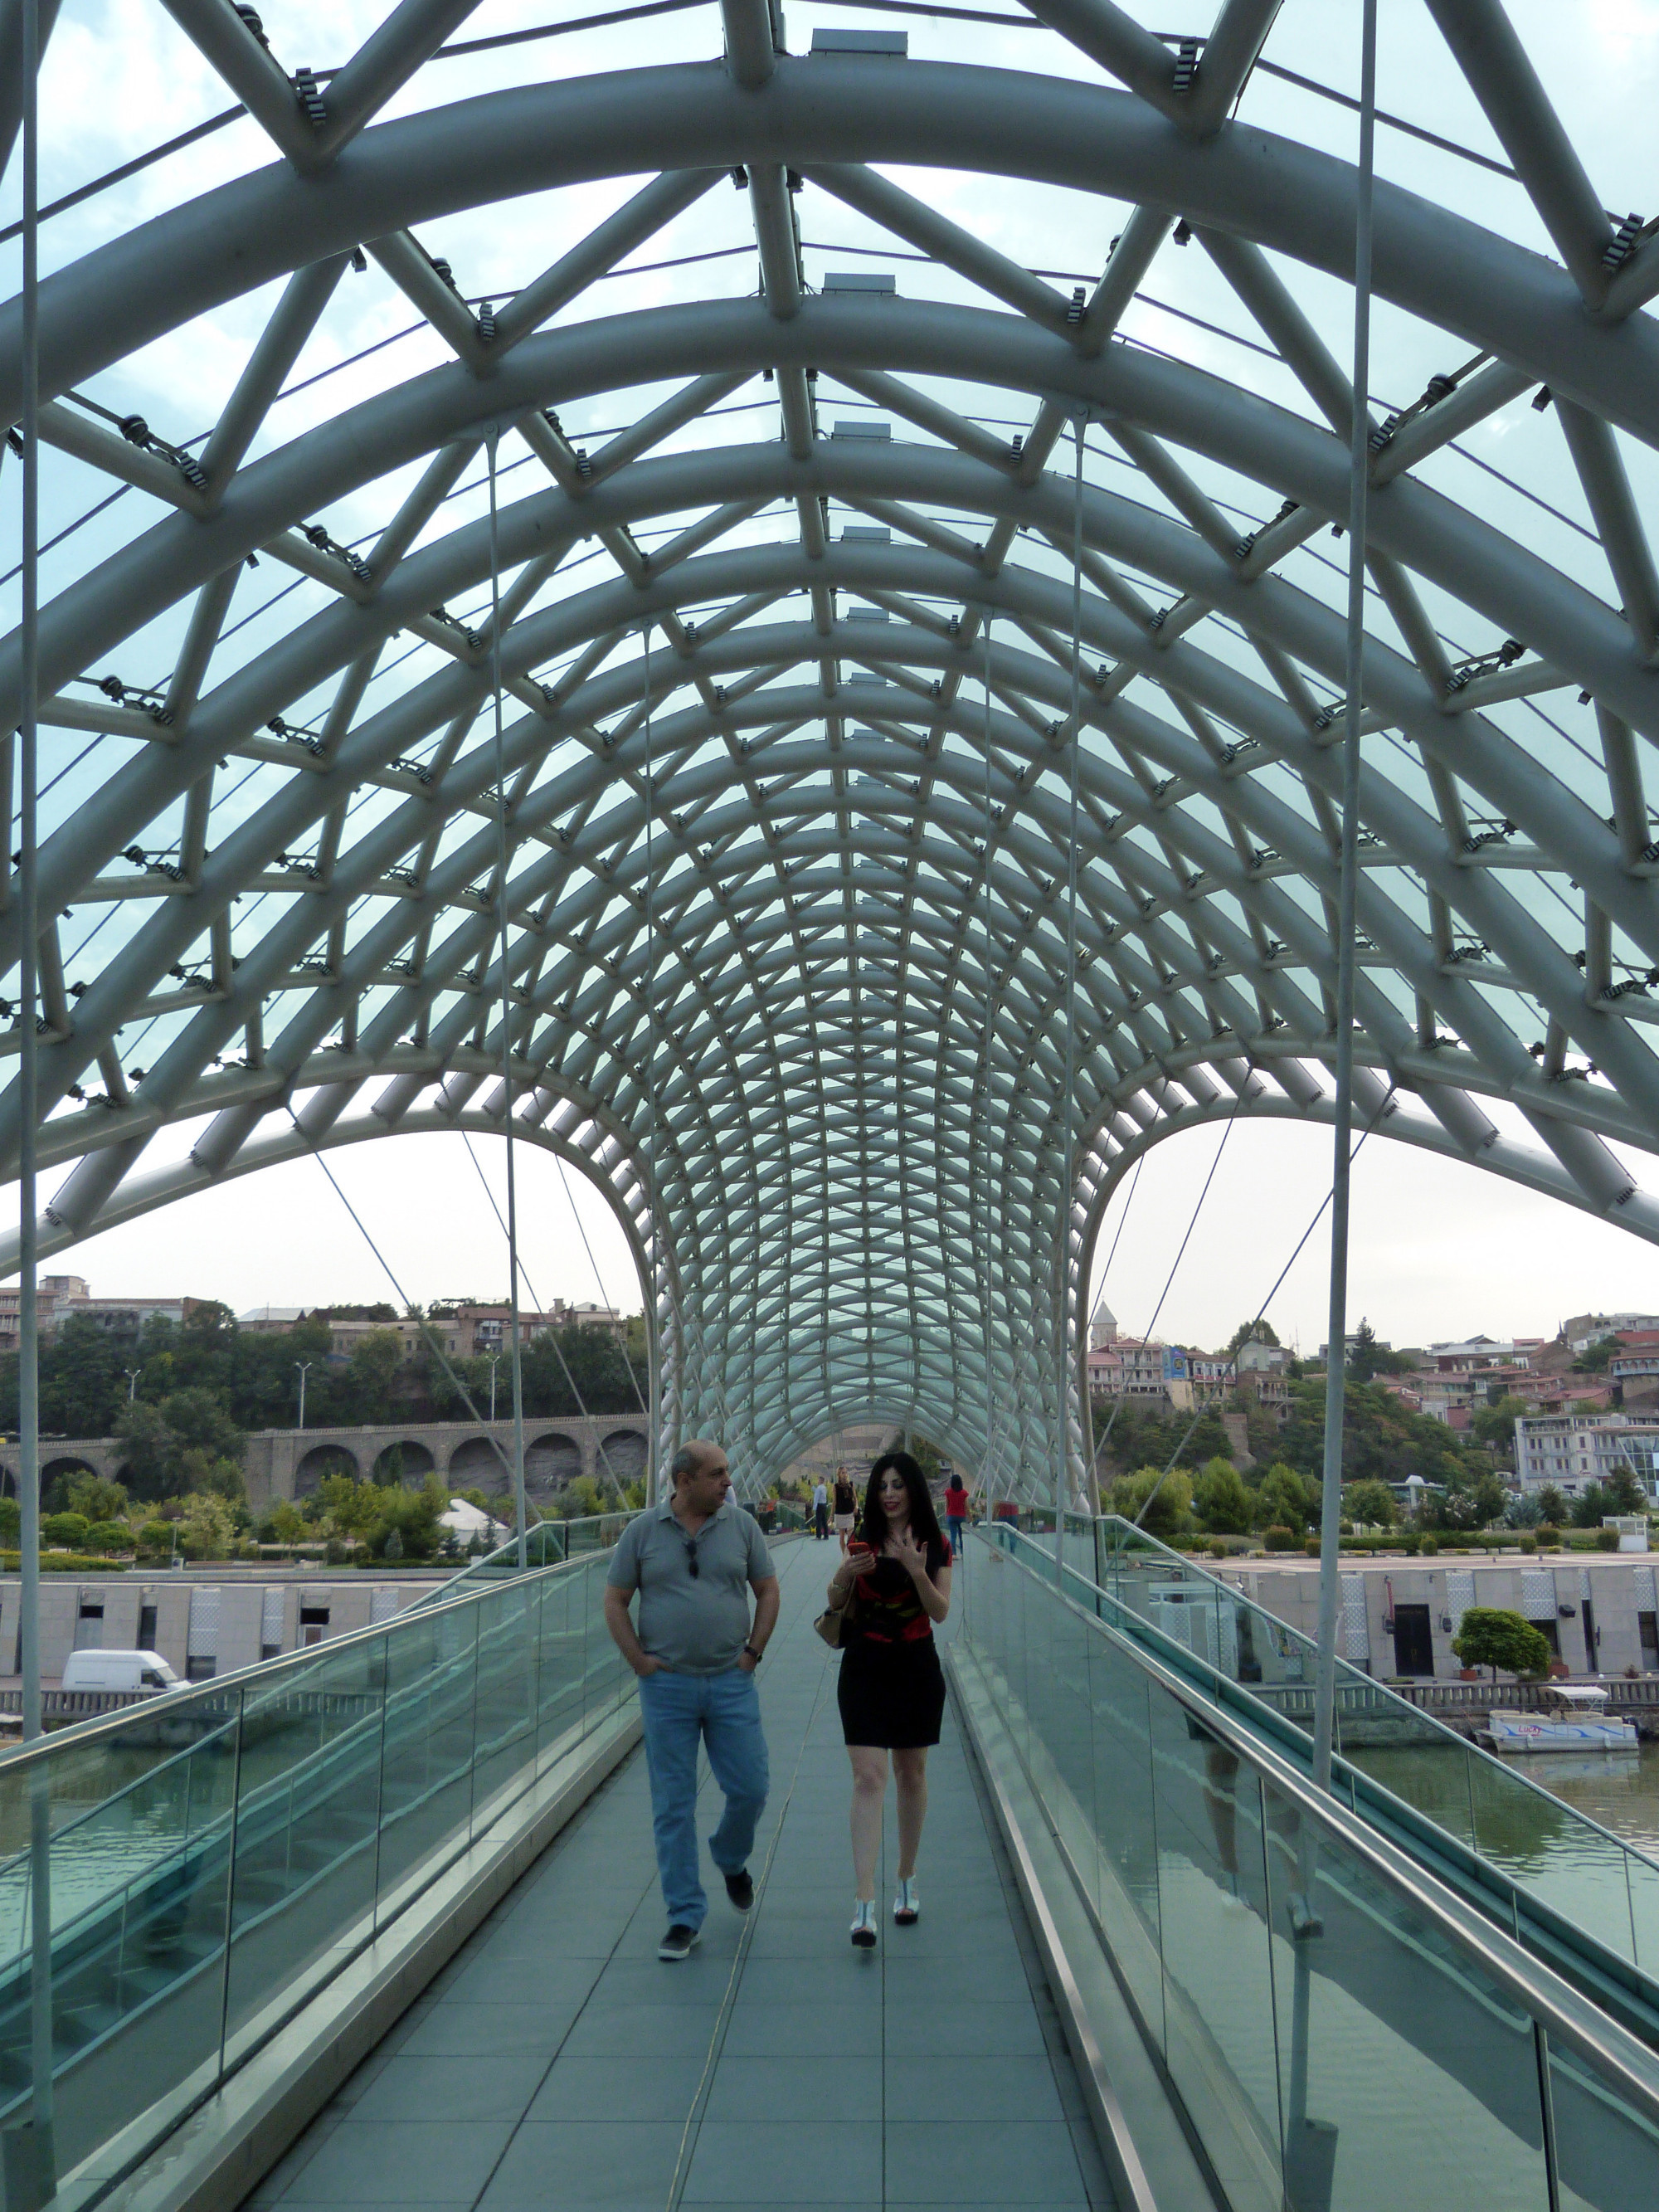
x=847 y=1507
x=696 y=1654
x=955 y=1512
x=821 y=1510
x=896 y=1576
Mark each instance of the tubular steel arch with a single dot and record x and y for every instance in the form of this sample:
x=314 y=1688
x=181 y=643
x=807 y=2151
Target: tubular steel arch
x=841 y=1045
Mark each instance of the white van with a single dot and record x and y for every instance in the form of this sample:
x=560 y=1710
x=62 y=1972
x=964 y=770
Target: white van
x=119 y=1671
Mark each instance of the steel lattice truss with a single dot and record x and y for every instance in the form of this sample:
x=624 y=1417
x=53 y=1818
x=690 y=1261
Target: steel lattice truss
x=788 y=891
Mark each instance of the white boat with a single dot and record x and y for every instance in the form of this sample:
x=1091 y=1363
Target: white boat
x=1576 y=1719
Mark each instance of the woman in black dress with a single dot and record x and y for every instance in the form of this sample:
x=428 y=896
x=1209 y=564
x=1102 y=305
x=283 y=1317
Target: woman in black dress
x=891 y=1691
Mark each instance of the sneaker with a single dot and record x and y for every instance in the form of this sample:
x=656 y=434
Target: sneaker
x=863 y=1925
x=679 y=1941
x=741 y=1889
x=907 y=1905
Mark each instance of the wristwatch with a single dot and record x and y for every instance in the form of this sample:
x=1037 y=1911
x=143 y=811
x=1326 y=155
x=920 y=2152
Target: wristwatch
x=756 y=1655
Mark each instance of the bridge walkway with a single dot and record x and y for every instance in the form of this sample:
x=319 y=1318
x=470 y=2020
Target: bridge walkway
x=556 y=2061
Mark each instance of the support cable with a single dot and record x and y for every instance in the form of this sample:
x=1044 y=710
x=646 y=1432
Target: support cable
x=492 y=442
x=39 y=2180
x=404 y=1298
x=1319 y=1214
x=605 y=1295
x=1348 y=911
x=552 y=1336
x=1231 y=1124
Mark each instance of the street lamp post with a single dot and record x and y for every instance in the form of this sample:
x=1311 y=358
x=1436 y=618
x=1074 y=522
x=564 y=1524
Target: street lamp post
x=133 y=1375
x=302 y=1365
x=495 y=1362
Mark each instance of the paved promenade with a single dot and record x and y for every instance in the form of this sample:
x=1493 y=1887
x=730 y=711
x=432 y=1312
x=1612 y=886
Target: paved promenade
x=557 y=2063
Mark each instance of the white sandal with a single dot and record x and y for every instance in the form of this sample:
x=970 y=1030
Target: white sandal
x=907 y=1905
x=864 y=1924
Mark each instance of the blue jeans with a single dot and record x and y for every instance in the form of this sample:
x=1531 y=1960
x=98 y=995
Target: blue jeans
x=953 y=1523
x=724 y=1711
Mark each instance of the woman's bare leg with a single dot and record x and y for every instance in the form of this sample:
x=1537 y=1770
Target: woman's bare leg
x=910 y=1778
x=869 y=1788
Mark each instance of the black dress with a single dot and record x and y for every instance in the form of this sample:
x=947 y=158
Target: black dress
x=891 y=1690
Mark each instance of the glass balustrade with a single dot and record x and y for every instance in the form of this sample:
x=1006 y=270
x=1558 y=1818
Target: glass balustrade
x=216 y=1855
x=1343 y=2037
x=1398 y=1764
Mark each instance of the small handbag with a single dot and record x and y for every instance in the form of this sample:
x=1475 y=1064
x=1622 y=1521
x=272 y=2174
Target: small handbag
x=833 y=1622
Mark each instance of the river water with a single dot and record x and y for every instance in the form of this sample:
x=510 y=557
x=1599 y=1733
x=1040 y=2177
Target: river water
x=1619 y=1788
x=1601 y=1884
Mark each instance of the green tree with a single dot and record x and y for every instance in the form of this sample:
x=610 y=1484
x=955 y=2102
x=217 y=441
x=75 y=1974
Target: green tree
x=82 y=1387
x=188 y=1424
x=95 y=1496
x=1282 y=1500
x=1362 y=1354
x=347 y=1505
x=412 y=1515
x=1595 y=1358
x=156 y=1539
x=1221 y=1498
x=206 y=1529
x=1488 y=1636
x=373 y=1384
x=1250 y=1332
x=287 y=1523
x=1552 y=1506
x=1494 y=1424
x=1171 y=1498
x=1372 y=1503
x=1625 y=1491
x=222 y=1477
x=1589 y=1507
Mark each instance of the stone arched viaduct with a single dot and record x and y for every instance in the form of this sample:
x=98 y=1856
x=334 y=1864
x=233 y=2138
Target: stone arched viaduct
x=290 y=1463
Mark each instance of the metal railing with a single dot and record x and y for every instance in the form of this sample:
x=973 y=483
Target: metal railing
x=1340 y=2027
x=548 y=1544
x=217 y=1856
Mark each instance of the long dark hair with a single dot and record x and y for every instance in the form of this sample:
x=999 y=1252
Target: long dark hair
x=924 y=1522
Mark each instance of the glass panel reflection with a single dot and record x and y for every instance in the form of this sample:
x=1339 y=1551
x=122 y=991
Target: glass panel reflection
x=1381 y=2016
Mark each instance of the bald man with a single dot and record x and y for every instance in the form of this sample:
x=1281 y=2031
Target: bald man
x=695 y=1559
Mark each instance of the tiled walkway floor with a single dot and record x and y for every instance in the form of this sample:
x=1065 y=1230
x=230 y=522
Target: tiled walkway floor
x=557 y=2061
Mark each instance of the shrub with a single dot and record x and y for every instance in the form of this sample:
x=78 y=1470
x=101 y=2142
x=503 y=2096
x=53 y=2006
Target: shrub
x=11 y=1520
x=1429 y=1546
x=1279 y=1540
x=1490 y=1636
x=1529 y=1543
x=67 y=1530
x=156 y=1539
x=1606 y=1540
x=1217 y=1549
x=108 y=1536
x=65 y=1563
x=1411 y=1543
x=1311 y=1547
x=1548 y=1533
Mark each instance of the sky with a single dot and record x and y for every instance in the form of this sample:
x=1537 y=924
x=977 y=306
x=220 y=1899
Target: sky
x=1438 y=1249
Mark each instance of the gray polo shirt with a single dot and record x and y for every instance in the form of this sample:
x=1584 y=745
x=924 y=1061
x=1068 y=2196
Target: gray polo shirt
x=695 y=1625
